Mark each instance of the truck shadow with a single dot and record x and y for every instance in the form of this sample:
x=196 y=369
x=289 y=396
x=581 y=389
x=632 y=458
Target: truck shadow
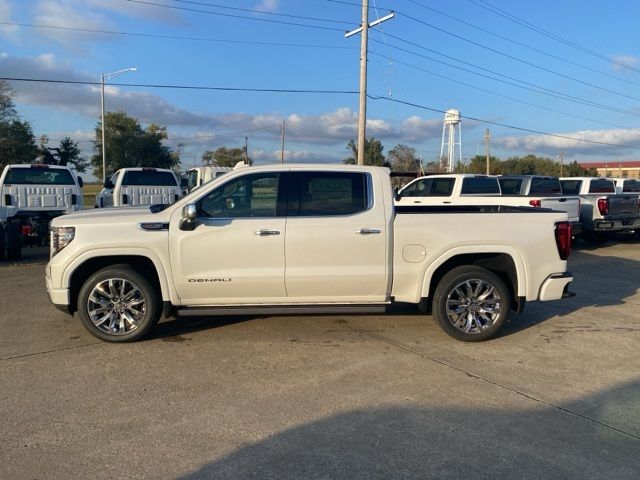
x=592 y=437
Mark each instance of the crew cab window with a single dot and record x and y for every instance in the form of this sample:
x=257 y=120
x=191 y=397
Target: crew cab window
x=545 y=186
x=571 y=187
x=510 y=186
x=149 y=178
x=602 y=186
x=328 y=193
x=248 y=196
x=429 y=187
x=480 y=186
x=632 y=186
x=38 y=176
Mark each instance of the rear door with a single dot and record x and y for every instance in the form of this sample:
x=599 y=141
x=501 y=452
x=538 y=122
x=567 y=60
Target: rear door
x=428 y=191
x=336 y=239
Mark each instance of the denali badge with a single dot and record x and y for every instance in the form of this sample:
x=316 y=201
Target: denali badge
x=208 y=280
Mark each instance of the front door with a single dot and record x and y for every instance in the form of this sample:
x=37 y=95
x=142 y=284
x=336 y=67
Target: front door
x=235 y=254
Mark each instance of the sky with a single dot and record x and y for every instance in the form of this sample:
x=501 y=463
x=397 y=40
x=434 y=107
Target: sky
x=569 y=69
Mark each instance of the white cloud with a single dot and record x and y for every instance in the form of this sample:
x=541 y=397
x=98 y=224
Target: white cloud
x=292 y=156
x=552 y=145
x=268 y=5
x=5 y=16
x=624 y=60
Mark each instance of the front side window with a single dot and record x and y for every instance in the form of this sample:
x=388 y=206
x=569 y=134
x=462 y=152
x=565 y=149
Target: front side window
x=480 y=186
x=329 y=193
x=571 y=187
x=248 y=196
x=545 y=186
x=602 y=186
x=429 y=187
x=38 y=175
x=510 y=186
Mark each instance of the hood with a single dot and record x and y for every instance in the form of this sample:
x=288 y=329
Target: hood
x=112 y=215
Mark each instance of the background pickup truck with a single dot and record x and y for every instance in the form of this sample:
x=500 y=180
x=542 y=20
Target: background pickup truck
x=33 y=195
x=198 y=176
x=469 y=189
x=133 y=187
x=602 y=211
x=304 y=239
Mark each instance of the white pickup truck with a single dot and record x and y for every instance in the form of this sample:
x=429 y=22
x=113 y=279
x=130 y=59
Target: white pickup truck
x=627 y=185
x=198 y=176
x=134 y=187
x=33 y=195
x=602 y=211
x=469 y=189
x=293 y=239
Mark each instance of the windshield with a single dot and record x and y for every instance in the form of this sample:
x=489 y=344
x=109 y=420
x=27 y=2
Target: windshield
x=37 y=175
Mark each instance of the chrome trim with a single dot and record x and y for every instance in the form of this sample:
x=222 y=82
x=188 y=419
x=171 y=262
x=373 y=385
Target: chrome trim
x=368 y=231
x=263 y=232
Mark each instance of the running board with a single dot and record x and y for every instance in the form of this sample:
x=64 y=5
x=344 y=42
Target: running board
x=280 y=310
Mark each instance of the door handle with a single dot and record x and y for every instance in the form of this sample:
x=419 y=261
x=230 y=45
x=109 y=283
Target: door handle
x=368 y=231
x=263 y=232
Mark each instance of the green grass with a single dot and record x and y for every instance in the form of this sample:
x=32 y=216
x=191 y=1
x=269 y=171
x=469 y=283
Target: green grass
x=89 y=194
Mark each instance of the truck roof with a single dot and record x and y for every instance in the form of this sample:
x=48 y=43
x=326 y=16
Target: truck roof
x=37 y=165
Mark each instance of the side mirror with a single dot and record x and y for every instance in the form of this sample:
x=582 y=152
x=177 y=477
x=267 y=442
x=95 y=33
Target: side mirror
x=109 y=184
x=189 y=216
x=396 y=193
x=80 y=182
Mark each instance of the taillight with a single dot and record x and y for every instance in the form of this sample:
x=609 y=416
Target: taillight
x=535 y=203
x=603 y=206
x=563 y=239
x=27 y=230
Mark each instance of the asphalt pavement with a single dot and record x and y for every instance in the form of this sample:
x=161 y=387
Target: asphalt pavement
x=328 y=397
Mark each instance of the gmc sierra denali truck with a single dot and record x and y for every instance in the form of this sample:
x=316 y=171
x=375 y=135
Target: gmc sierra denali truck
x=294 y=239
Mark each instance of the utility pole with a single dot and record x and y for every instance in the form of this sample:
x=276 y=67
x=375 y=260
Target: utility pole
x=364 y=43
x=246 y=150
x=487 y=148
x=282 y=149
x=561 y=162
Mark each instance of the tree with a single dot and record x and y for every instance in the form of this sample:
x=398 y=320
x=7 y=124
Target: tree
x=478 y=164
x=403 y=158
x=68 y=153
x=372 y=153
x=130 y=145
x=17 y=143
x=225 y=157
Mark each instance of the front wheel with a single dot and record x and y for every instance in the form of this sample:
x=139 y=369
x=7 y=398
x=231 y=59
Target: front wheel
x=117 y=304
x=471 y=303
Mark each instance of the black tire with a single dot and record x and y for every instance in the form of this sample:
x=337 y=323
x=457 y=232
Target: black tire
x=117 y=308
x=595 y=238
x=14 y=241
x=465 y=286
x=3 y=244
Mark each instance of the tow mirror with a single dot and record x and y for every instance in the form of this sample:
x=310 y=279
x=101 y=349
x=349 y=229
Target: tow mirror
x=108 y=184
x=396 y=193
x=80 y=182
x=189 y=216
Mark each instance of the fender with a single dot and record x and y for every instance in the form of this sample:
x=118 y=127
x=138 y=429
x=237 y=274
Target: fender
x=167 y=290
x=521 y=270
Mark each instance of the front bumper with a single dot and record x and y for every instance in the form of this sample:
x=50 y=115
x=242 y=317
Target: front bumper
x=616 y=225
x=556 y=286
x=58 y=296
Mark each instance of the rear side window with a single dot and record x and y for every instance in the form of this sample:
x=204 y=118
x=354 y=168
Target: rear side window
x=429 y=187
x=510 y=186
x=328 y=193
x=602 y=186
x=480 y=185
x=571 y=187
x=149 y=178
x=545 y=186
x=38 y=176
x=632 y=186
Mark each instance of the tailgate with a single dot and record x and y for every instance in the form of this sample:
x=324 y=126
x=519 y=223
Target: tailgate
x=142 y=195
x=39 y=197
x=570 y=205
x=623 y=205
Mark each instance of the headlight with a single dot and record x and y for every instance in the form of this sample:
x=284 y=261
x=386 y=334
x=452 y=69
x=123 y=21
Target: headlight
x=61 y=237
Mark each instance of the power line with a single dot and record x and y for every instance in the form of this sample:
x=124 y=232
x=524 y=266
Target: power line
x=183 y=87
x=519 y=83
x=512 y=57
x=506 y=125
x=546 y=33
x=524 y=45
x=262 y=12
x=175 y=37
x=229 y=15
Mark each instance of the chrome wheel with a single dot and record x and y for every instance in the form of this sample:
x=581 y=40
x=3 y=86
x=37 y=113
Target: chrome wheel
x=116 y=306
x=473 y=306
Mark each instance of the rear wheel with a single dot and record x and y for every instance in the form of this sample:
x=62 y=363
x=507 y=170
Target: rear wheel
x=117 y=304
x=471 y=303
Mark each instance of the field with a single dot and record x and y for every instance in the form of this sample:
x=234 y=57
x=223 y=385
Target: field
x=89 y=194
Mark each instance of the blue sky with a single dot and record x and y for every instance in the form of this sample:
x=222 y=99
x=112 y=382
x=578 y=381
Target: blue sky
x=604 y=104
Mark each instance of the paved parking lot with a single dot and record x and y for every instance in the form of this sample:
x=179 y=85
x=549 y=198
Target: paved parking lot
x=389 y=396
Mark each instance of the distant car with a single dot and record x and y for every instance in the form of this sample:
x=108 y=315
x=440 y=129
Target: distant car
x=134 y=187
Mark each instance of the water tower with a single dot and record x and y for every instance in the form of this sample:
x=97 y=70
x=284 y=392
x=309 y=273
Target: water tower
x=451 y=139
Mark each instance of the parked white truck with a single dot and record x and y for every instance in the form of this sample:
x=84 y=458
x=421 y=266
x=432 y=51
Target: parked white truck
x=35 y=194
x=198 y=176
x=133 y=187
x=602 y=211
x=470 y=189
x=293 y=239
